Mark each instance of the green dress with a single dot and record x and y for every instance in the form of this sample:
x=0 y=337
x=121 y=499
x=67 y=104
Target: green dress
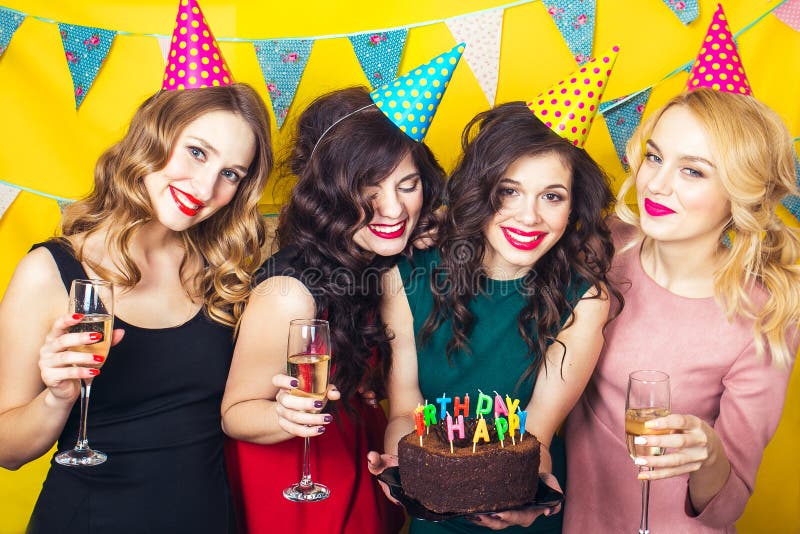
x=497 y=360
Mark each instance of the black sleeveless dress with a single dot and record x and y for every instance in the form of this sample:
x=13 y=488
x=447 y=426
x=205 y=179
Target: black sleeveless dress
x=155 y=410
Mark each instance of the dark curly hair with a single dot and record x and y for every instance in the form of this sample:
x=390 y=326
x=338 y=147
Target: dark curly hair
x=492 y=142
x=326 y=209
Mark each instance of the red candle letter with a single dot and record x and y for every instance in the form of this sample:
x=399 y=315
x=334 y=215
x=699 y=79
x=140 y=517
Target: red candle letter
x=458 y=406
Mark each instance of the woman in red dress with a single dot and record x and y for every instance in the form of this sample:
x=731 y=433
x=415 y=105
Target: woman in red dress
x=365 y=190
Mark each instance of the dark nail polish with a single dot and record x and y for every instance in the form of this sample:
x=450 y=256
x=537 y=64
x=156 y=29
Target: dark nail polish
x=94 y=372
x=328 y=419
x=99 y=358
x=294 y=383
x=476 y=518
x=317 y=404
x=321 y=429
x=77 y=316
x=95 y=336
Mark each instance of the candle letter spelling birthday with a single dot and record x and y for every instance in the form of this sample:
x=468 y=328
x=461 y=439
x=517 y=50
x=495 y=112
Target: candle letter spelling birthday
x=430 y=414
x=458 y=406
x=484 y=404
x=511 y=404
x=499 y=406
x=419 y=423
x=443 y=401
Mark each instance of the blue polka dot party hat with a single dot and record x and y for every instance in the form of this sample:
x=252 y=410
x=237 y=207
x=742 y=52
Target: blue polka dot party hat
x=411 y=100
x=569 y=107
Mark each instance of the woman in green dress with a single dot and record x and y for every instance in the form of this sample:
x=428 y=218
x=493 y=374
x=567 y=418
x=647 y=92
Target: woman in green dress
x=513 y=299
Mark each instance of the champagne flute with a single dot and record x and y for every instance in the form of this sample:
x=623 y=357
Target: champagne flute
x=308 y=360
x=94 y=299
x=647 y=398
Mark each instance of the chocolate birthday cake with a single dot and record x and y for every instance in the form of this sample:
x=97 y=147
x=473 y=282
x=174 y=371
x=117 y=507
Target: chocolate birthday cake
x=492 y=478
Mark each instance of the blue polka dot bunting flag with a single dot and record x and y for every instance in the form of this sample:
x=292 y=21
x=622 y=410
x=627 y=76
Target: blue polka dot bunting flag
x=9 y=23
x=575 y=20
x=282 y=63
x=622 y=118
x=686 y=10
x=85 y=49
x=792 y=202
x=411 y=100
x=379 y=54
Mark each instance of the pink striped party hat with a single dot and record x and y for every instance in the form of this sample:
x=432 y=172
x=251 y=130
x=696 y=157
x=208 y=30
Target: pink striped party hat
x=194 y=58
x=718 y=64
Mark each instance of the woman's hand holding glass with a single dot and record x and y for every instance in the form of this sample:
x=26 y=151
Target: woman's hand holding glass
x=690 y=444
x=301 y=416
x=61 y=366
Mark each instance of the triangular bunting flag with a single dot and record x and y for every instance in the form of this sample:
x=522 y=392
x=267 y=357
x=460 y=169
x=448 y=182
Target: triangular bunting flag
x=481 y=33
x=686 y=10
x=379 y=54
x=282 y=64
x=85 y=49
x=63 y=203
x=792 y=202
x=622 y=120
x=9 y=22
x=789 y=14
x=7 y=196
x=575 y=20
x=163 y=45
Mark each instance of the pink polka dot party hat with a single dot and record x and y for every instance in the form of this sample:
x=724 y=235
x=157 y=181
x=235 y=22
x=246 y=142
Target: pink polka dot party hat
x=194 y=58
x=411 y=100
x=569 y=107
x=718 y=64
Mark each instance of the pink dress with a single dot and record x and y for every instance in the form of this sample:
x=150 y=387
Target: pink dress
x=714 y=374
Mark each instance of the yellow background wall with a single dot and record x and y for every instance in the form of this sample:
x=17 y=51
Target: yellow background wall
x=47 y=146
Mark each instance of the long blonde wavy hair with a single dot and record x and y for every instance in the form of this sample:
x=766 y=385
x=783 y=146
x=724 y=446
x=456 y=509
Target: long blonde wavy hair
x=228 y=244
x=754 y=156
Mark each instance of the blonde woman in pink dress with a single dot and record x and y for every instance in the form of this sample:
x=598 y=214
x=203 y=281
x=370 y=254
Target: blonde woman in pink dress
x=719 y=316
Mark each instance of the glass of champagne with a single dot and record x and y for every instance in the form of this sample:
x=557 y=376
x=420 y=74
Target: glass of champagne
x=647 y=398
x=308 y=360
x=94 y=299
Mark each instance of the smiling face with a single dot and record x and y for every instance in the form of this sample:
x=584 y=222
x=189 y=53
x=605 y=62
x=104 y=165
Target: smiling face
x=535 y=193
x=208 y=160
x=679 y=191
x=396 y=203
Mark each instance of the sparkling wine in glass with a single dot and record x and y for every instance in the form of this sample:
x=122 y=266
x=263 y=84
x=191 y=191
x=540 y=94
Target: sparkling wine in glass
x=647 y=398
x=308 y=360
x=94 y=299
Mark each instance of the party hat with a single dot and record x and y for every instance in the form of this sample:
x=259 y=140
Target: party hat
x=568 y=108
x=718 y=65
x=411 y=100
x=194 y=59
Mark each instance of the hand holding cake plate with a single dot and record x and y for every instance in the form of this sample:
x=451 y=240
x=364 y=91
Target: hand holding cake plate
x=546 y=497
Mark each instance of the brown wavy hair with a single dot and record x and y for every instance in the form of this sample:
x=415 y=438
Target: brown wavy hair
x=754 y=155
x=491 y=143
x=228 y=244
x=333 y=162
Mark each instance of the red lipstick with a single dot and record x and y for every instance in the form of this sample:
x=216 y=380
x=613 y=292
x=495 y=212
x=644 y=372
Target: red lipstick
x=394 y=234
x=513 y=236
x=654 y=209
x=191 y=211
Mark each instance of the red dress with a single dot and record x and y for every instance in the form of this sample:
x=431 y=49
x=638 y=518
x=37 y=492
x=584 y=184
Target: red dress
x=259 y=473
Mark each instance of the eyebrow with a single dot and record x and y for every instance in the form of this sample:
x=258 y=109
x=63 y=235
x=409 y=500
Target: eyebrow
x=207 y=146
x=551 y=186
x=684 y=157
